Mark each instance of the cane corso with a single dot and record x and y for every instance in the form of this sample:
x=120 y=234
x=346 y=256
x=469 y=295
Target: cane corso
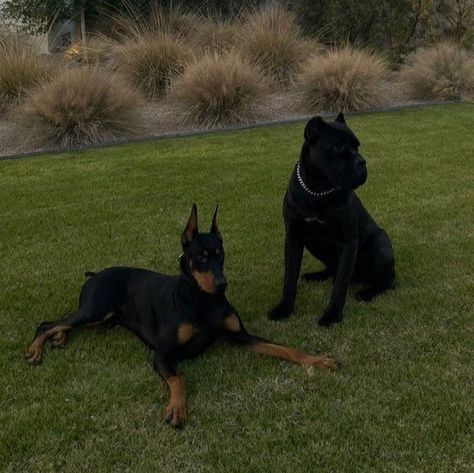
x=323 y=214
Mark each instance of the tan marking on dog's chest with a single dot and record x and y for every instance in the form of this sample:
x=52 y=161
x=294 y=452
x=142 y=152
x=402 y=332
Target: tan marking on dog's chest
x=232 y=323
x=186 y=331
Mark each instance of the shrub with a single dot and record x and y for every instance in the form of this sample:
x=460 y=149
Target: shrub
x=344 y=79
x=151 y=62
x=80 y=106
x=215 y=34
x=443 y=72
x=21 y=68
x=219 y=89
x=271 y=38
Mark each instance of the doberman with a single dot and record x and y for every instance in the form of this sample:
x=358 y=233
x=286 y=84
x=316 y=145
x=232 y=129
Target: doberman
x=177 y=316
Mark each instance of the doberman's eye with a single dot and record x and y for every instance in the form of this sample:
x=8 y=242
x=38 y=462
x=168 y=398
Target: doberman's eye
x=219 y=254
x=201 y=259
x=338 y=148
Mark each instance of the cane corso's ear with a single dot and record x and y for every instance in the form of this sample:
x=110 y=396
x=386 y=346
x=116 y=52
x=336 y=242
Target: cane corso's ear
x=191 y=229
x=312 y=129
x=214 y=228
x=340 y=118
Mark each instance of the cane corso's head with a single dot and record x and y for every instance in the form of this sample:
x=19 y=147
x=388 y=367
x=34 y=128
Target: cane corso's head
x=332 y=149
x=203 y=255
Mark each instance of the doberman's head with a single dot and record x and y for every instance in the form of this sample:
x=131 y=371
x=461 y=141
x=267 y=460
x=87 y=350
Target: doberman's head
x=203 y=255
x=333 y=149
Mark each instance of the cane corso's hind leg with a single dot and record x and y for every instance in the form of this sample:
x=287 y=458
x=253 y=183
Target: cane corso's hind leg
x=326 y=251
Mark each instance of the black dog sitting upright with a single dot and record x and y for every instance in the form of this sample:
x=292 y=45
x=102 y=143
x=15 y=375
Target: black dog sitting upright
x=323 y=214
x=177 y=316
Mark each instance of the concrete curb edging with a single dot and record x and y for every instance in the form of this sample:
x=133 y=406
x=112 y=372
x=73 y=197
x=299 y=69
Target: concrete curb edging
x=200 y=132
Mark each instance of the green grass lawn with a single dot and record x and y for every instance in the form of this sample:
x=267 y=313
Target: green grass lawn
x=403 y=401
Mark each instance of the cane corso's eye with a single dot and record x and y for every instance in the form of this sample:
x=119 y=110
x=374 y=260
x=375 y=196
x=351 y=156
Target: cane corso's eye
x=338 y=148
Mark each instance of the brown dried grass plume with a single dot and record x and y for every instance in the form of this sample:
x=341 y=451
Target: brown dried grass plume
x=21 y=68
x=219 y=89
x=80 y=106
x=272 y=38
x=442 y=72
x=344 y=79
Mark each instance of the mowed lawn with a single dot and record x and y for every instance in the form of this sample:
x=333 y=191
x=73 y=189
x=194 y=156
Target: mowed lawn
x=403 y=401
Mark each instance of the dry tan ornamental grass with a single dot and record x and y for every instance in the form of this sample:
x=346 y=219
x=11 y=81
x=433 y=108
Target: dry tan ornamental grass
x=80 y=106
x=443 y=72
x=272 y=39
x=21 y=68
x=151 y=62
x=344 y=79
x=214 y=34
x=218 y=89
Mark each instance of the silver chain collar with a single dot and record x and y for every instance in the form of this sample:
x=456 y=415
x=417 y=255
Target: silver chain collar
x=307 y=189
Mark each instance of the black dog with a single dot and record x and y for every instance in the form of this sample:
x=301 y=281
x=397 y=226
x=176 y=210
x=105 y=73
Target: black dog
x=177 y=316
x=323 y=214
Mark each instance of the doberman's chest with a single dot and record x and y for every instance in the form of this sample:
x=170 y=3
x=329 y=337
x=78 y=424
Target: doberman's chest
x=192 y=339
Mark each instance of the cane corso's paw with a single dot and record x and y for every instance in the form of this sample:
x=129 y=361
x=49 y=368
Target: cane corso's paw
x=317 y=276
x=175 y=415
x=330 y=316
x=281 y=311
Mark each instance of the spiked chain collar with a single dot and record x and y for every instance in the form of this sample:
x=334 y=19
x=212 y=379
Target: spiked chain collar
x=307 y=189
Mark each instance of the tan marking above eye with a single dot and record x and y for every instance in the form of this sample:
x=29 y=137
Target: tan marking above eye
x=232 y=323
x=186 y=331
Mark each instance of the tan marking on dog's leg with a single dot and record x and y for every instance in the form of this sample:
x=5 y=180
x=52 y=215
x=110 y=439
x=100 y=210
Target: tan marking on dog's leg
x=35 y=350
x=100 y=322
x=175 y=411
x=185 y=332
x=232 y=323
x=59 y=340
x=293 y=355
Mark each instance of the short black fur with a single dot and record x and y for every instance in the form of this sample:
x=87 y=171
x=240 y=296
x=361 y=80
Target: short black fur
x=177 y=316
x=323 y=214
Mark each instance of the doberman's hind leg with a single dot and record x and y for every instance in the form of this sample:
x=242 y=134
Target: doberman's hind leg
x=57 y=331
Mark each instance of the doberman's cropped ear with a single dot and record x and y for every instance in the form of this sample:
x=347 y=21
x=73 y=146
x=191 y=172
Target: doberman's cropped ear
x=340 y=118
x=214 y=228
x=191 y=229
x=312 y=129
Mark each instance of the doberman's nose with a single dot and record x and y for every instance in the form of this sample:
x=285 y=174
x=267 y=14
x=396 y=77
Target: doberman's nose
x=220 y=285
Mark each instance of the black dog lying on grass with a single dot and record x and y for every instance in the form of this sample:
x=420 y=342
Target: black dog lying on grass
x=177 y=316
x=323 y=214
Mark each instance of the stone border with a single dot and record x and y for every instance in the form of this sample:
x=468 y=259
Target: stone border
x=199 y=132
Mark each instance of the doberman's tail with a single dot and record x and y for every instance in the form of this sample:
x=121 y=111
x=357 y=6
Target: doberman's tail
x=89 y=274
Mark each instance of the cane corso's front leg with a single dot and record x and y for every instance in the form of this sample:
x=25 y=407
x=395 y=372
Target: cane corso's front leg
x=293 y=257
x=333 y=312
x=175 y=411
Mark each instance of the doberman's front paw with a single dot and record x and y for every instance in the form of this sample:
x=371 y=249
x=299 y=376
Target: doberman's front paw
x=281 y=311
x=323 y=362
x=175 y=414
x=33 y=355
x=330 y=316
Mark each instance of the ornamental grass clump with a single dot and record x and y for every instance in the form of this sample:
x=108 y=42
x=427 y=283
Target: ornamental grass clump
x=152 y=51
x=217 y=90
x=272 y=39
x=21 y=68
x=344 y=79
x=215 y=34
x=442 y=72
x=80 y=106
